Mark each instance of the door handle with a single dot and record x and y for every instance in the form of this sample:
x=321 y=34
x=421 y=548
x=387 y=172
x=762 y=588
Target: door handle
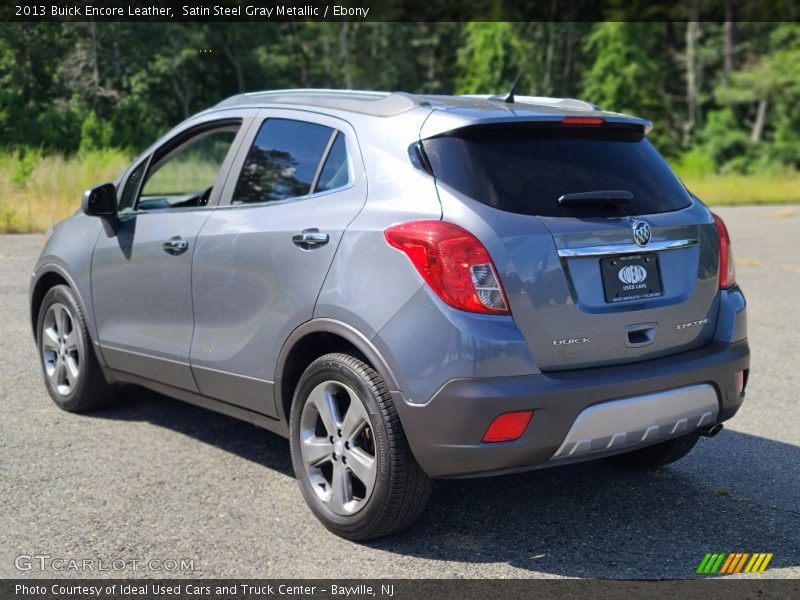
x=310 y=238
x=175 y=246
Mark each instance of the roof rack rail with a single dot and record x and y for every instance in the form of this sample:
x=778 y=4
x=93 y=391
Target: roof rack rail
x=379 y=104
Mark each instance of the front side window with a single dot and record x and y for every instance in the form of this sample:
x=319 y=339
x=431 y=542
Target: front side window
x=185 y=175
x=284 y=162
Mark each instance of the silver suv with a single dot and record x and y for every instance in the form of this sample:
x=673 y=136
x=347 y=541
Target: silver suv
x=407 y=287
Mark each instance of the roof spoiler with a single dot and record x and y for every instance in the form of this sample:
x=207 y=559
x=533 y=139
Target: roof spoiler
x=569 y=124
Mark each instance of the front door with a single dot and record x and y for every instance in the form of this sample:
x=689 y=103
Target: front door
x=142 y=268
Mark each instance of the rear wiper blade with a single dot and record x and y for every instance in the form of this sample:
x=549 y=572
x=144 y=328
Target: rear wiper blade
x=610 y=197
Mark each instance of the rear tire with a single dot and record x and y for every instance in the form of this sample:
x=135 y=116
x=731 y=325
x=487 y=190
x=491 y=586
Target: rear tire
x=657 y=455
x=349 y=453
x=71 y=372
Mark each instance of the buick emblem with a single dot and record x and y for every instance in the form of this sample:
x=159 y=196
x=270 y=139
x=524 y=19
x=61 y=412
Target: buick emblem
x=641 y=233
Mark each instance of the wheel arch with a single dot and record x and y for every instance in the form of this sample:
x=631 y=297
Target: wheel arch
x=314 y=339
x=47 y=278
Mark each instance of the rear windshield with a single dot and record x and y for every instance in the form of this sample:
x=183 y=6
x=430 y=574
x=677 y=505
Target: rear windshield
x=526 y=169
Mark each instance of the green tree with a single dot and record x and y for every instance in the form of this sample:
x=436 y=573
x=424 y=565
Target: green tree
x=95 y=134
x=490 y=58
x=626 y=75
x=724 y=92
x=761 y=103
x=724 y=142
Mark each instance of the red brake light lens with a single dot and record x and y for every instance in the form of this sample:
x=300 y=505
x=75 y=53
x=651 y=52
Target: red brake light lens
x=741 y=380
x=508 y=427
x=727 y=272
x=453 y=262
x=583 y=121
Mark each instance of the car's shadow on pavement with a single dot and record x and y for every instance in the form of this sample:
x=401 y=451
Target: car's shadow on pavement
x=229 y=434
x=733 y=493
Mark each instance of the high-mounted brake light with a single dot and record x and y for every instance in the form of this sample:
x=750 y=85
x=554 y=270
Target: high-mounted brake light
x=727 y=272
x=508 y=427
x=453 y=262
x=583 y=121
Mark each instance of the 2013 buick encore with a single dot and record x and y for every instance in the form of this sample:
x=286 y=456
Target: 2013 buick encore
x=407 y=287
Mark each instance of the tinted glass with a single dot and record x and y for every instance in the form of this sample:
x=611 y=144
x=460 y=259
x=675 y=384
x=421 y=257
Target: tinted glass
x=526 y=171
x=282 y=162
x=336 y=172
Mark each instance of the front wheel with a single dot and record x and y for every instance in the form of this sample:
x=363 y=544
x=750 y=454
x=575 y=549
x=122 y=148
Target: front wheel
x=71 y=372
x=349 y=452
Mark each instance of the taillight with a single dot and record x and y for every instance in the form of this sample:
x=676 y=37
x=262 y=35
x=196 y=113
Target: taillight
x=508 y=427
x=741 y=380
x=453 y=262
x=727 y=273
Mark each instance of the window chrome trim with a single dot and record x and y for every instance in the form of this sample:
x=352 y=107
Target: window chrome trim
x=613 y=249
x=324 y=159
x=286 y=200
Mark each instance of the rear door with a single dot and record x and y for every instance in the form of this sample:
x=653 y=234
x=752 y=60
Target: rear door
x=262 y=256
x=589 y=282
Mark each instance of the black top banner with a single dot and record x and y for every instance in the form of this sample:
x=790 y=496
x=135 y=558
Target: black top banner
x=399 y=10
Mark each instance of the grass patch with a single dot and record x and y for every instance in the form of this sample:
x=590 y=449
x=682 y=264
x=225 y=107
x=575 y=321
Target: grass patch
x=182 y=175
x=37 y=191
x=736 y=189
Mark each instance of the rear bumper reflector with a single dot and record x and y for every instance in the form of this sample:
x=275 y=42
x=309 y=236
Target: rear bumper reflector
x=508 y=427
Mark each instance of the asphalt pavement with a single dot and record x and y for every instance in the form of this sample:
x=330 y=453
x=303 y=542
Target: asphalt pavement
x=153 y=479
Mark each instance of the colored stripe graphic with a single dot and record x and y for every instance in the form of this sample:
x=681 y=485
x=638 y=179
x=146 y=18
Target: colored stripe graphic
x=741 y=562
x=759 y=562
x=704 y=563
x=749 y=567
x=717 y=563
x=726 y=563
x=734 y=563
x=729 y=563
x=765 y=563
x=711 y=562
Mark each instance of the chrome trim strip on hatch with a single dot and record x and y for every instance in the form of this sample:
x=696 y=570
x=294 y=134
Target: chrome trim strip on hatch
x=613 y=249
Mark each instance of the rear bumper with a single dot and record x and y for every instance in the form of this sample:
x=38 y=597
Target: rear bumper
x=445 y=433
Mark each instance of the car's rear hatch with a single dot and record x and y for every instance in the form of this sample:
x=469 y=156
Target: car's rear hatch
x=580 y=288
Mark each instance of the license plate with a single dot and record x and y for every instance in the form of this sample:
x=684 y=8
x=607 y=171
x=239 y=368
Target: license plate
x=631 y=277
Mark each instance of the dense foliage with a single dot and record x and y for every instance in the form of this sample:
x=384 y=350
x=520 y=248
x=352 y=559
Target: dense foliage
x=722 y=96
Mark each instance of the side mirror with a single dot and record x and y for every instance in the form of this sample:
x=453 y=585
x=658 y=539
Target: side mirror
x=100 y=201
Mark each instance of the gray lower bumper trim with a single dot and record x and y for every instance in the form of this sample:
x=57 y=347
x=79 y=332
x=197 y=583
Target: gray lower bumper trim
x=610 y=426
x=445 y=434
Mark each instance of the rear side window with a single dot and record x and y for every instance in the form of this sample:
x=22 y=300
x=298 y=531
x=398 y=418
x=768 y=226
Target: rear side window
x=284 y=161
x=526 y=169
x=336 y=172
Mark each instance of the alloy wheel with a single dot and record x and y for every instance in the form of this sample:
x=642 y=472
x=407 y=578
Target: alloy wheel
x=60 y=349
x=337 y=447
